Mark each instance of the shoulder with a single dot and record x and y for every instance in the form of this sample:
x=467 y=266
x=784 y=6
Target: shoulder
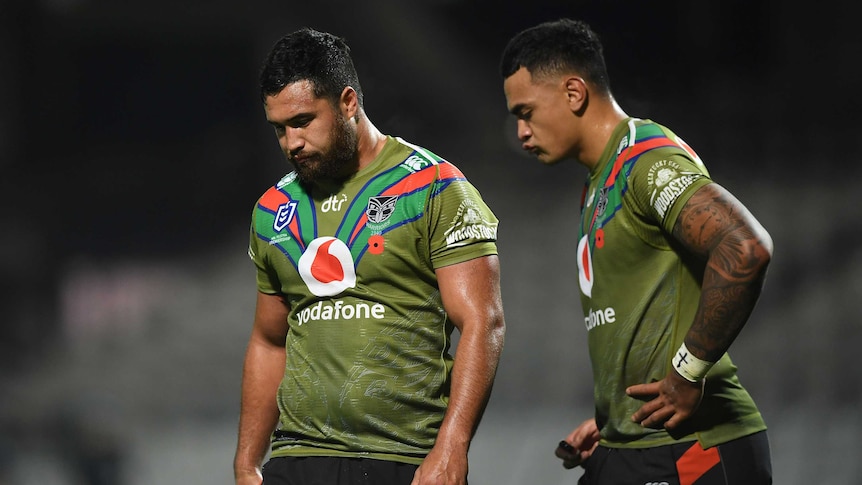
x=665 y=173
x=662 y=155
x=285 y=189
x=422 y=159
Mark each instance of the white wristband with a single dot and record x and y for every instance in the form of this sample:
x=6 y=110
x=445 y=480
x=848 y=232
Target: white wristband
x=688 y=366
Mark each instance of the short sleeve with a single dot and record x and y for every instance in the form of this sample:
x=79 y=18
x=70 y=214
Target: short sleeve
x=461 y=225
x=662 y=182
x=267 y=279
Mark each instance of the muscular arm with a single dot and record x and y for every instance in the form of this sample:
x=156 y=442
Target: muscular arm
x=737 y=250
x=471 y=297
x=716 y=227
x=262 y=372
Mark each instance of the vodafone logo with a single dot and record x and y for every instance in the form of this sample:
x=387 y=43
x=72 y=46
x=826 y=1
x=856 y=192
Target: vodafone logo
x=585 y=267
x=326 y=267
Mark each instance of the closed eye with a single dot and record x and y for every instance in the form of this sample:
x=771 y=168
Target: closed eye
x=300 y=121
x=521 y=112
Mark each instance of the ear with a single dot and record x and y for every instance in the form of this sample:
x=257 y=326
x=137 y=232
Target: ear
x=349 y=102
x=576 y=93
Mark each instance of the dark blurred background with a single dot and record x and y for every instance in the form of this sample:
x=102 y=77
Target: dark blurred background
x=133 y=147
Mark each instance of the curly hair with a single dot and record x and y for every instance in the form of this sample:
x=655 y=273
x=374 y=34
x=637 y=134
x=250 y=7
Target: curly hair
x=555 y=47
x=321 y=58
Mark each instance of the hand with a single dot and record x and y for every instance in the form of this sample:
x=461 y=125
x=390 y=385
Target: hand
x=442 y=467
x=581 y=443
x=675 y=400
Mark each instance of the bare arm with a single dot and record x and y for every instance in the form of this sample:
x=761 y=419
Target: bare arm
x=737 y=249
x=262 y=372
x=718 y=228
x=471 y=296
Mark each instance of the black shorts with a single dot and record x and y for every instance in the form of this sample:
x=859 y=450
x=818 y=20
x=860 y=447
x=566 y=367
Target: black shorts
x=329 y=470
x=742 y=461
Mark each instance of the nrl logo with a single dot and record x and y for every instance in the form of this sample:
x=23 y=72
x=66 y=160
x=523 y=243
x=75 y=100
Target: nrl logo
x=380 y=208
x=284 y=215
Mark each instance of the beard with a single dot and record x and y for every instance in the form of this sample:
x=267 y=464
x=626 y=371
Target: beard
x=337 y=162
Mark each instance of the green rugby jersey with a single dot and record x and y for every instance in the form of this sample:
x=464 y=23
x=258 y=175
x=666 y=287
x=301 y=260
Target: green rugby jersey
x=639 y=295
x=368 y=348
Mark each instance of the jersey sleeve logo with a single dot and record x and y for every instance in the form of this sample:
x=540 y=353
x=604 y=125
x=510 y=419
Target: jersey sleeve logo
x=469 y=225
x=668 y=181
x=327 y=267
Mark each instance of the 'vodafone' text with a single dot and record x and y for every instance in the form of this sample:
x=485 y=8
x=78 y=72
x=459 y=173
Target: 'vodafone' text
x=600 y=317
x=340 y=311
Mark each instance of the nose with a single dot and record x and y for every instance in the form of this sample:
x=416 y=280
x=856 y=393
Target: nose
x=292 y=142
x=524 y=131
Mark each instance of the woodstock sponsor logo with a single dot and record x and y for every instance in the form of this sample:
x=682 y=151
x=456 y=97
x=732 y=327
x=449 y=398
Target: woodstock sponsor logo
x=670 y=192
x=469 y=224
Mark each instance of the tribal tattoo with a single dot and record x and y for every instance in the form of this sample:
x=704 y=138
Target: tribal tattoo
x=714 y=225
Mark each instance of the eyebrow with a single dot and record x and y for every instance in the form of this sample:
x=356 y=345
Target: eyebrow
x=517 y=109
x=299 y=117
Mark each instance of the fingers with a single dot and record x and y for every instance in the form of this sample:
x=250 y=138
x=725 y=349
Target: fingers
x=675 y=420
x=571 y=457
x=579 y=445
x=645 y=411
x=672 y=401
x=656 y=418
x=644 y=390
x=564 y=449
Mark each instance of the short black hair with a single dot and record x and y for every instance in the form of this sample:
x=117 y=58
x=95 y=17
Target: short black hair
x=558 y=46
x=310 y=55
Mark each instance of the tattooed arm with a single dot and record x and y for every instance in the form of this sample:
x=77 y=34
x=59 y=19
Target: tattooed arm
x=737 y=249
x=715 y=226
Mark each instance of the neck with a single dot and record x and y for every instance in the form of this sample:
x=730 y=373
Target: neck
x=371 y=141
x=598 y=131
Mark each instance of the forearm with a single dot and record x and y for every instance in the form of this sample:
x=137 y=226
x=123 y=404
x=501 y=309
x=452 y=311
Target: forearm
x=470 y=292
x=724 y=308
x=262 y=372
x=473 y=374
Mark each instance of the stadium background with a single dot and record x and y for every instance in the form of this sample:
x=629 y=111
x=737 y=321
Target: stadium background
x=133 y=146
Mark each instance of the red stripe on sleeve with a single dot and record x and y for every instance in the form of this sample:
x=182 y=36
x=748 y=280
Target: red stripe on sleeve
x=412 y=182
x=634 y=151
x=448 y=171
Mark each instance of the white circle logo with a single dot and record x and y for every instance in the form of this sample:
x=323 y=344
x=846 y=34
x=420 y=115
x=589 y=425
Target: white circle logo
x=326 y=267
x=585 y=267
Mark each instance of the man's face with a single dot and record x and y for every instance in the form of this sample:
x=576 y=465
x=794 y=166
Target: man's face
x=316 y=137
x=543 y=113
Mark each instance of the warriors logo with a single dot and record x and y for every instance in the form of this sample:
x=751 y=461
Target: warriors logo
x=380 y=208
x=602 y=204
